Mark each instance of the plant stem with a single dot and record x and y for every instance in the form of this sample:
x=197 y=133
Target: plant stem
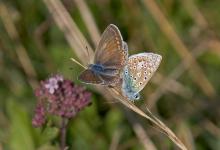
x=63 y=128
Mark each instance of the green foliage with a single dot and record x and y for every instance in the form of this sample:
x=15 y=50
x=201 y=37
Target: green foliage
x=21 y=137
x=48 y=134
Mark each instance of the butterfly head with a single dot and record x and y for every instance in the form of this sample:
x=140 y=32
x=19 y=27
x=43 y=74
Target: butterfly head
x=135 y=96
x=131 y=95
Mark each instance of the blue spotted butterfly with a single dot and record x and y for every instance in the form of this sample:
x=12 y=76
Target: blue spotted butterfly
x=137 y=73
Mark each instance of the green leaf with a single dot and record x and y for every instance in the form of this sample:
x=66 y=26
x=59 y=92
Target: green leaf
x=49 y=134
x=20 y=128
x=113 y=120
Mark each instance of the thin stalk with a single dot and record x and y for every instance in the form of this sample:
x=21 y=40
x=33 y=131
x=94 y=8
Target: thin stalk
x=63 y=128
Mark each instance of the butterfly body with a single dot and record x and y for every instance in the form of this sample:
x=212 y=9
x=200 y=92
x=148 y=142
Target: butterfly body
x=137 y=73
x=96 y=68
x=127 y=89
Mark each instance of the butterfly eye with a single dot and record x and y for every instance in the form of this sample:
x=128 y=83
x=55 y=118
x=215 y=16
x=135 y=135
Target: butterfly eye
x=136 y=96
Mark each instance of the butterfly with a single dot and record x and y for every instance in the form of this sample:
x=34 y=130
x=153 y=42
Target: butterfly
x=137 y=73
x=111 y=56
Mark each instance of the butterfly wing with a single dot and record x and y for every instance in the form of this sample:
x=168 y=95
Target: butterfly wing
x=141 y=68
x=112 y=51
x=111 y=54
x=89 y=77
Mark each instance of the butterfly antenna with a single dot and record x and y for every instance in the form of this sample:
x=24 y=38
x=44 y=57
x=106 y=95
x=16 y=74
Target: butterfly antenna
x=78 y=63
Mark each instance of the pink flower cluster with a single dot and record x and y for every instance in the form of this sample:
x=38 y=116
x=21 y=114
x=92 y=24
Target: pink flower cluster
x=59 y=96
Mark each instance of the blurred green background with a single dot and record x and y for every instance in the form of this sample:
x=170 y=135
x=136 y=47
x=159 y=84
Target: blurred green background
x=184 y=92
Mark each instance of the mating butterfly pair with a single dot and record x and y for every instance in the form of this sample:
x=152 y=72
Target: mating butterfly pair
x=113 y=67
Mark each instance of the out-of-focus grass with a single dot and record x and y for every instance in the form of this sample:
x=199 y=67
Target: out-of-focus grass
x=195 y=118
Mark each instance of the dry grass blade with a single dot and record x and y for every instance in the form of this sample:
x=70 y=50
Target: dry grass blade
x=185 y=133
x=19 y=48
x=115 y=139
x=211 y=127
x=194 y=12
x=178 y=88
x=89 y=20
x=148 y=144
x=163 y=128
x=175 y=74
x=38 y=35
x=139 y=130
x=195 y=70
x=70 y=29
x=215 y=46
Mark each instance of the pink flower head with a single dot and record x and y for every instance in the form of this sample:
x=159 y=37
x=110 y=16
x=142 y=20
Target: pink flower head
x=52 y=85
x=59 y=78
x=61 y=97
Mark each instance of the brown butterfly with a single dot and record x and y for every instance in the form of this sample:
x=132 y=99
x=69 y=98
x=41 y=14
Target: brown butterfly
x=111 y=56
